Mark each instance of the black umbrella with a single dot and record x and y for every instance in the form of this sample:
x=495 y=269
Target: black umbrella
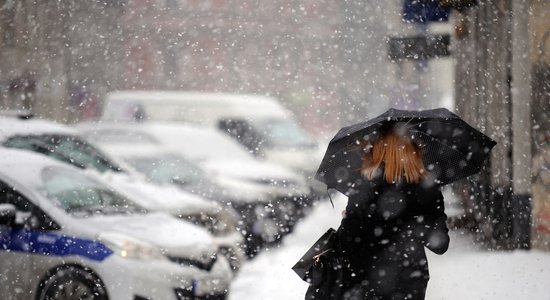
x=451 y=148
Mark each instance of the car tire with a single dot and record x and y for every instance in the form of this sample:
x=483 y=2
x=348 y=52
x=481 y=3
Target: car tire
x=73 y=283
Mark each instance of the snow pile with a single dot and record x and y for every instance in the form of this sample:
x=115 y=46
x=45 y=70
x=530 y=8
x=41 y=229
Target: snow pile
x=464 y=272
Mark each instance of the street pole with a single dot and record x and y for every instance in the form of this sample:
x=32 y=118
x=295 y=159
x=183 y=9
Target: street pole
x=521 y=125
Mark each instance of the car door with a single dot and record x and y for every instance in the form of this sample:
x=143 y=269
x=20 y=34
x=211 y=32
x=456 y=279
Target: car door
x=17 y=243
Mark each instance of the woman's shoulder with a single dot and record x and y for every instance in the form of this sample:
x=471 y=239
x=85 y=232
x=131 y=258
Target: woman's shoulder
x=424 y=188
x=359 y=187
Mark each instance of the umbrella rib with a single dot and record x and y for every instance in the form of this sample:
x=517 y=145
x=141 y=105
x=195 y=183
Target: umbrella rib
x=438 y=141
x=456 y=122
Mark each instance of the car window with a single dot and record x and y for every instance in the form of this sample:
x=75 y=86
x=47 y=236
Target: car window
x=80 y=194
x=35 y=144
x=166 y=169
x=9 y=196
x=69 y=149
x=281 y=133
x=25 y=209
x=243 y=132
x=82 y=152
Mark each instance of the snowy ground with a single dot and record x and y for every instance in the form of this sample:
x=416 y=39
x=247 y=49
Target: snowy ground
x=464 y=272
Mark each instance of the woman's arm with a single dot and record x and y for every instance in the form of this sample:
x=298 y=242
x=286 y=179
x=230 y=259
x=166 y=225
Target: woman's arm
x=435 y=219
x=351 y=230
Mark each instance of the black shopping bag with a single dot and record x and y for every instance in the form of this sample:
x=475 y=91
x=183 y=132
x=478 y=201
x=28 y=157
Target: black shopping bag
x=325 y=244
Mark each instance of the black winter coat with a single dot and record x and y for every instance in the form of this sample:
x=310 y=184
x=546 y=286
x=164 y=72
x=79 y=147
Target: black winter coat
x=383 y=236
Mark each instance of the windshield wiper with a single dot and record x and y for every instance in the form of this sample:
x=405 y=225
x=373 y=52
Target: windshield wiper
x=181 y=182
x=89 y=210
x=104 y=210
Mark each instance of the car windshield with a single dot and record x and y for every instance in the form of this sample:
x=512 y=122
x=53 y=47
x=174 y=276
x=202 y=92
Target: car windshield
x=66 y=148
x=281 y=133
x=80 y=194
x=166 y=169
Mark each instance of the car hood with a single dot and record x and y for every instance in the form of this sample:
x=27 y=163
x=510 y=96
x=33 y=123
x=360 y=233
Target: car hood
x=167 y=198
x=169 y=234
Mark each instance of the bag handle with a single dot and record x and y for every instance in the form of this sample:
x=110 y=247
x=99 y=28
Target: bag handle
x=318 y=256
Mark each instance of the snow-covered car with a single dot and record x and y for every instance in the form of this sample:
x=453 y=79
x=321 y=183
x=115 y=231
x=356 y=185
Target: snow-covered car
x=172 y=170
x=259 y=123
x=167 y=168
x=64 y=232
x=270 y=198
x=221 y=221
x=63 y=143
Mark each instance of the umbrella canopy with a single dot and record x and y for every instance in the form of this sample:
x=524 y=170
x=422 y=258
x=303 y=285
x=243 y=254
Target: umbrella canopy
x=451 y=148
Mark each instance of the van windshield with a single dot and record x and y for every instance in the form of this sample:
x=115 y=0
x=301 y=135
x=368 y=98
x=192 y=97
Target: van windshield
x=281 y=133
x=81 y=195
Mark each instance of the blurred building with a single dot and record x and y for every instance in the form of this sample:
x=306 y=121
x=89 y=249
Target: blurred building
x=49 y=49
x=326 y=60
x=503 y=67
x=281 y=48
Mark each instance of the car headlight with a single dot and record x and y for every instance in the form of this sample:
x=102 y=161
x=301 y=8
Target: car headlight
x=227 y=221
x=128 y=247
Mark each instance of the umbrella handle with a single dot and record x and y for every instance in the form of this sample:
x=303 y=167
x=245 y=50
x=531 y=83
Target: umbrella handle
x=331 y=202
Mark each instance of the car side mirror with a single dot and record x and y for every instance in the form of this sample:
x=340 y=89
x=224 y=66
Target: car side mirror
x=32 y=222
x=7 y=214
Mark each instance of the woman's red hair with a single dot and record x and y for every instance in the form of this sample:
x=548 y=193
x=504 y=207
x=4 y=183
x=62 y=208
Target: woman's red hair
x=397 y=154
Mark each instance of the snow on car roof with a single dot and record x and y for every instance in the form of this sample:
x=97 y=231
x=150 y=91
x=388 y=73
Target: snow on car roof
x=199 y=142
x=194 y=141
x=184 y=96
x=131 y=150
x=25 y=166
x=10 y=157
x=193 y=107
x=115 y=133
x=11 y=127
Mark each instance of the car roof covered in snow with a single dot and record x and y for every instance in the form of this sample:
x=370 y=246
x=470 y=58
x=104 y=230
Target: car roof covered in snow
x=10 y=127
x=25 y=166
x=157 y=95
x=194 y=141
x=130 y=150
x=193 y=107
x=10 y=156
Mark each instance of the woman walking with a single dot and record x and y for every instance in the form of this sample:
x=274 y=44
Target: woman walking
x=391 y=215
x=392 y=167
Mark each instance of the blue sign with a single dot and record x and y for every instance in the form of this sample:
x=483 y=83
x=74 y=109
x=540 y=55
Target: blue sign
x=423 y=11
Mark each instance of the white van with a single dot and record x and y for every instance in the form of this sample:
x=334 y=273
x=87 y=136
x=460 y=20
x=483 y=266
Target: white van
x=259 y=123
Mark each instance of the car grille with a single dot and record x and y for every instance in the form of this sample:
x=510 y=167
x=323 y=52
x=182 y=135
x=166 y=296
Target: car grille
x=183 y=294
x=232 y=257
x=203 y=265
